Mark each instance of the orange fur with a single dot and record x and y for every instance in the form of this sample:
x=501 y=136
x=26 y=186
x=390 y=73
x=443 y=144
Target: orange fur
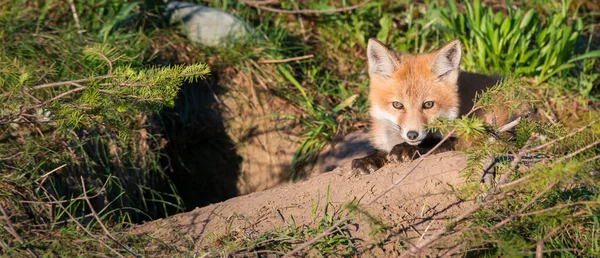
x=412 y=80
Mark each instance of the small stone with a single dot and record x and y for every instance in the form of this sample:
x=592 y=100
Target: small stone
x=205 y=25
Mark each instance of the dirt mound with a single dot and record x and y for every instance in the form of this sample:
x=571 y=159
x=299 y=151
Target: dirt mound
x=417 y=206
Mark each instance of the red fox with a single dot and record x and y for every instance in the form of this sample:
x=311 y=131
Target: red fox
x=408 y=91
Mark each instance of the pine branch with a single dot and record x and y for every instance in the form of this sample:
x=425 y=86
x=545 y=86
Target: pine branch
x=124 y=83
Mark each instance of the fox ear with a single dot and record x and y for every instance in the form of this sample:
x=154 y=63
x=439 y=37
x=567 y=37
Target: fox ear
x=447 y=61
x=381 y=61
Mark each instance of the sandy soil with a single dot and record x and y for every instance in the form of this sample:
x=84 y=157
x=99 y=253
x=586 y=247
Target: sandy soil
x=265 y=143
x=416 y=207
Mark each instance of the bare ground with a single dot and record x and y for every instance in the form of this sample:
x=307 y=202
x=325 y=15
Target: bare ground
x=415 y=208
x=265 y=142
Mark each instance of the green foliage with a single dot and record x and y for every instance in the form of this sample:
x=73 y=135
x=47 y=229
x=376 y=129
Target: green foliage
x=518 y=42
x=552 y=201
x=77 y=97
x=564 y=217
x=97 y=131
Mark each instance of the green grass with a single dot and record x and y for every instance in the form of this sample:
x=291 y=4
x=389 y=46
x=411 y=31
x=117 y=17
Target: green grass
x=96 y=132
x=283 y=240
x=95 y=125
x=519 y=42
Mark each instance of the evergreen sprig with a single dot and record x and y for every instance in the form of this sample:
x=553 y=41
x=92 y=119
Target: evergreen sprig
x=125 y=89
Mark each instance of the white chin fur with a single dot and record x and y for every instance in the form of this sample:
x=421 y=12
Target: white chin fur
x=415 y=143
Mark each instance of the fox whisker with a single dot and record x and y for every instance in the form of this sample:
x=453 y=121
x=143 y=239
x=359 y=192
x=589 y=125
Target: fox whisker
x=393 y=124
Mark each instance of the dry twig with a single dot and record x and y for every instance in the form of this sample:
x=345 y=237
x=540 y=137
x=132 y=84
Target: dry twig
x=75 y=15
x=535 y=198
x=261 y=5
x=540 y=244
x=578 y=151
x=79 y=224
x=72 y=82
x=11 y=229
x=373 y=200
x=592 y=159
x=286 y=59
x=560 y=207
x=68 y=200
x=100 y=221
x=564 y=137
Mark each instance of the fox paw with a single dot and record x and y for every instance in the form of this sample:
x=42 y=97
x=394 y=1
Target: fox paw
x=405 y=152
x=368 y=164
x=361 y=167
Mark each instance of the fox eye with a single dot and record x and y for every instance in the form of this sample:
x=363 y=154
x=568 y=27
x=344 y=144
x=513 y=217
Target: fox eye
x=397 y=105
x=427 y=104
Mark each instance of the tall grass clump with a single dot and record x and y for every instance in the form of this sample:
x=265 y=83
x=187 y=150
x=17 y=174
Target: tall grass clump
x=517 y=41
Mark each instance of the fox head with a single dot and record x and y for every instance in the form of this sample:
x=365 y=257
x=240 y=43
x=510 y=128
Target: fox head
x=408 y=91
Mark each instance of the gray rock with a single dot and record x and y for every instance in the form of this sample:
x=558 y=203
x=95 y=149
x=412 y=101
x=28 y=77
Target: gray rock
x=205 y=25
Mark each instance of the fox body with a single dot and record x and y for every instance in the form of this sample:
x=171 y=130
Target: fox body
x=408 y=91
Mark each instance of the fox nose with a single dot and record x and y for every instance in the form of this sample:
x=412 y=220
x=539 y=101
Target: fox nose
x=412 y=135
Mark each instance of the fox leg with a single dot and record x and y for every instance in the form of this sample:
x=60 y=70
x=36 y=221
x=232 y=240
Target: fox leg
x=370 y=163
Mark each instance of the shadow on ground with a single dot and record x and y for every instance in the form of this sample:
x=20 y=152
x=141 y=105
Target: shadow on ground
x=203 y=162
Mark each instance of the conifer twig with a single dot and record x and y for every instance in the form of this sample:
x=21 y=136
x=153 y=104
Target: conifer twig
x=78 y=87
